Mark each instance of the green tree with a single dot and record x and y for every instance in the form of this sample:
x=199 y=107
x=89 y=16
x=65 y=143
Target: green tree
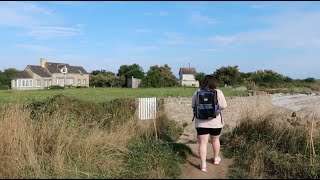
x=229 y=75
x=160 y=76
x=103 y=78
x=270 y=79
x=7 y=75
x=200 y=77
x=102 y=71
x=130 y=70
x=310 y=80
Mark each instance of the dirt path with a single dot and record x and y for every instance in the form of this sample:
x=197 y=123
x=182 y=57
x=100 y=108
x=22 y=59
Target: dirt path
x=304 y=105
x=190 y=170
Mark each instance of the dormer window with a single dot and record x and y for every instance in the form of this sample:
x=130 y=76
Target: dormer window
x=64 y=70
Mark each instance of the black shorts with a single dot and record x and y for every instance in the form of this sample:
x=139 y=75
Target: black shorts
x=211 y=131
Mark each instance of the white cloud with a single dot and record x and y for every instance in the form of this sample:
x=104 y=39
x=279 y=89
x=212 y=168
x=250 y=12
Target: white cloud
x=197 y=17
x=46 y=32
x=35 y=20
x=23 y=14
x=285 y=30
x=36 y=9
x=37 y=48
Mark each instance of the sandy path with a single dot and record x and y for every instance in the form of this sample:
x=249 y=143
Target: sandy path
x=190 y=170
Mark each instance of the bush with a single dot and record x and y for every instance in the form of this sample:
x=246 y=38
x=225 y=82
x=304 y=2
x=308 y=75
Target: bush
x=263 y=149
x=4 y=87
x=107 y=114
x=55 y=87
x=81 y=86
x=152 y=159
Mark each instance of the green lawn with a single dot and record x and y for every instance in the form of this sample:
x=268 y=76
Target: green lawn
x=105 y=94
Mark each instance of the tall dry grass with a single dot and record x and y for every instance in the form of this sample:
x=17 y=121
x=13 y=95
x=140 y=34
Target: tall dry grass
x=265 y=145
x=17 y=151
x=67 y=138
x=53 y=148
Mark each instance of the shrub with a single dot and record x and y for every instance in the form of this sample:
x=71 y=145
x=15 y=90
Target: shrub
x=55 y=87
x=107 y=114
x=81 y=86
x=151 y=159
x=263 y=149
x=4 y=87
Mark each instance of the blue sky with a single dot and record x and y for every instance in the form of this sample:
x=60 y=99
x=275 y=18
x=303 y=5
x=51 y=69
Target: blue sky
x=282 y=36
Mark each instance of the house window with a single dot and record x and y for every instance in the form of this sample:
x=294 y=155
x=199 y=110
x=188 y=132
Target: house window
x=60 y=81
x=24 y=83
x=64 y=70
x=50 y=82
x=45 y=83
x=84 y=81
x=69 y=81
x=79 y=82
x=38 y=83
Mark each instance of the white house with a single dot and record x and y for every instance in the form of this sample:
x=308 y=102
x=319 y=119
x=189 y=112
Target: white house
x=187 y=77
x=48 y=74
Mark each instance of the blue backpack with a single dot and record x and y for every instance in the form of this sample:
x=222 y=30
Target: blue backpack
x=207 y=105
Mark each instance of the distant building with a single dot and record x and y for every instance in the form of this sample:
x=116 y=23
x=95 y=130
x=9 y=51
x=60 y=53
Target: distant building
x=133 y=82
x=50 y=74
x=187 y=77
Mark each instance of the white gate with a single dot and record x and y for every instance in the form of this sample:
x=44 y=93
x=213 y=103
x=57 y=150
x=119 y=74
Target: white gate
x=147 y=108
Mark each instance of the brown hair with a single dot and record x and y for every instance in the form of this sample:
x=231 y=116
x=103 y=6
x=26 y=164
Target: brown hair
x=209 y=83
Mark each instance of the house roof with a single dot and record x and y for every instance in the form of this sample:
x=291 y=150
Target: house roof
x=24 y=75
x=187 y=71
x=43 y=72
x=55 y=68
x=76 y=69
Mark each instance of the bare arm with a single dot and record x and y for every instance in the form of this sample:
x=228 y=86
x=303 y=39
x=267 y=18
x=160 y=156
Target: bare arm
x=221 y=99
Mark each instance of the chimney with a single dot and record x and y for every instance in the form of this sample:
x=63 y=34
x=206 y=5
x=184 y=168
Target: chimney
x=42 y=62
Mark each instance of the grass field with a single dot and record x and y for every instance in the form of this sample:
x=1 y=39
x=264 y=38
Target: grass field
x=106 y=94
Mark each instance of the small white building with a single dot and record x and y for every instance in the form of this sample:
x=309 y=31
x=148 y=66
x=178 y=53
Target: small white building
x=133 y=82
x=187 y=77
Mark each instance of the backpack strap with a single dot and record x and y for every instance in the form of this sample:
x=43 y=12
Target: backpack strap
x=195 y=106
x=221 y=117
x=219 y=105
x=217 y=101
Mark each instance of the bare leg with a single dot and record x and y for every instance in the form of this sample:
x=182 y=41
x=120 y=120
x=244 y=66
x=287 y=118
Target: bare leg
x=203 y=141
x=215 y=140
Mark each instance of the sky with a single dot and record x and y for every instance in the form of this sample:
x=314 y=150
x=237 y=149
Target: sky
x=253 y=35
